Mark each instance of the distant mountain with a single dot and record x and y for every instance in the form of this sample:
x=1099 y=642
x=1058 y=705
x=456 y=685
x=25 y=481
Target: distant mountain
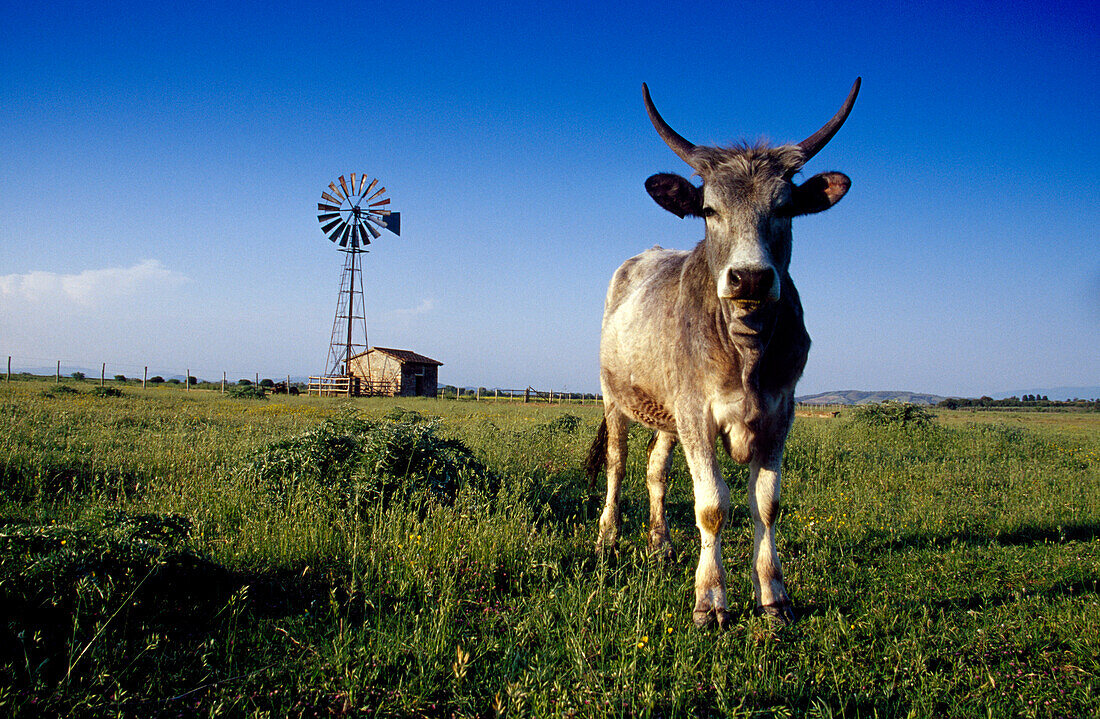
x=855 y=396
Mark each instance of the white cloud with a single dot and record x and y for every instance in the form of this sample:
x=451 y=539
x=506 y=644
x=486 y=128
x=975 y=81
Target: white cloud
x=90 y=287
x=426 y=305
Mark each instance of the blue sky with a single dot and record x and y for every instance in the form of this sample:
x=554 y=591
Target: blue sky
x=160 y=170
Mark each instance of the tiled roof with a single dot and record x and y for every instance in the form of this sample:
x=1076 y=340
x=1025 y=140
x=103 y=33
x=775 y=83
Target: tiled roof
x=403 y=356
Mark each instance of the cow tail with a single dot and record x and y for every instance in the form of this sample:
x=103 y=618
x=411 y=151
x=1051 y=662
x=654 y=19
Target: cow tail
x=597 y=455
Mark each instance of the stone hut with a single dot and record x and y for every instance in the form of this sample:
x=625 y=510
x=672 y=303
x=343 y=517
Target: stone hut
x=394 y=373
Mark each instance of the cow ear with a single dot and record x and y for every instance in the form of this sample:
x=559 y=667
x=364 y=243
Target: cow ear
x=675 y=194
x=819 y=193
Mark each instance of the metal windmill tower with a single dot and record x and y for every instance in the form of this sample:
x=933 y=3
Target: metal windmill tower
x=349 y=215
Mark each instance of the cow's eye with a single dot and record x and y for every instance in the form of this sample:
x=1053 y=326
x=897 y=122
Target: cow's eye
x=709 y=212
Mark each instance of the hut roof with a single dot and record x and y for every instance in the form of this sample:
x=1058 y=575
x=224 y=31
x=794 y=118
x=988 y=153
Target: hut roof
x=402 y=356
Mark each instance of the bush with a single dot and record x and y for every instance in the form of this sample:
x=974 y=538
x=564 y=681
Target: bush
x=60 y=390
x=265 y=382
x=78 y=376
x=157 y=379
x=105 y=391
x=120 y=378
x=365 y=461
x=192 y=380
x=244 y=382
x=245 y=391
x=173 y=381
x=892 y=414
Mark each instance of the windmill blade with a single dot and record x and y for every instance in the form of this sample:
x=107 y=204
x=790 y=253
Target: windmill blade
x=332 y=186
x=378 y=211
x=370 y=228
x=380 y=191
x=327 y=229
x=369 y=187
x=331 y=208
x=325 y=218
x=355 y=236
x=344 y=185
x=330 y=198
x=380 y=202
x=344 y=236
x=362 y=181
x=352 y=183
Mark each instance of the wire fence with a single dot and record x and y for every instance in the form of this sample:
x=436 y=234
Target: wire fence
x=156 y=374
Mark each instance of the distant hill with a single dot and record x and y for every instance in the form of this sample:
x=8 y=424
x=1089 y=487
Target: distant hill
x=855 y=396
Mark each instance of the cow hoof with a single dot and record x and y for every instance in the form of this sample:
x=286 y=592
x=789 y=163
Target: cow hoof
x=705 y=617
x=779 y=613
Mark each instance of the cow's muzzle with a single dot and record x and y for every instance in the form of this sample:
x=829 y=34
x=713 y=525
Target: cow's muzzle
x=749 y=287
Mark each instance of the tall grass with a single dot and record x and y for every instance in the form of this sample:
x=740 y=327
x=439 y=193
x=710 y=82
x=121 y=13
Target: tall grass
x=170 y=553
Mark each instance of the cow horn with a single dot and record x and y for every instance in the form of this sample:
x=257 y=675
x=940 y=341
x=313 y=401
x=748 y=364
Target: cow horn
x=816 y=141
x=679 y=145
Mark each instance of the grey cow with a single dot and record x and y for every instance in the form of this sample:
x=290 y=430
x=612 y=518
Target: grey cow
x=709 y=343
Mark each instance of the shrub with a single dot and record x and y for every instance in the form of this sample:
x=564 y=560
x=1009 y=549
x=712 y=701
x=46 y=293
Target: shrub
x=244 y=382
x=245 y=391
x=191 y=380
x=173 y=381
x=157 y=379
x=120 y=378
x=60 y=390
x=892 y=414
x=354 y=458
x=265 y=382
x=105 y=391
x=78 y=376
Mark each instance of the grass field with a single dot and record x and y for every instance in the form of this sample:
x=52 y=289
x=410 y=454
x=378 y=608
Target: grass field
x=170 y=554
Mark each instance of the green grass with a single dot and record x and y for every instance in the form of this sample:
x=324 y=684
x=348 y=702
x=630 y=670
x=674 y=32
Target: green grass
x=171 y=553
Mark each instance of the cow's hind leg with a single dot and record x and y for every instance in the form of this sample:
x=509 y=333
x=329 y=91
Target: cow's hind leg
x=767 y=575
x=657 y=468
x=611 y=519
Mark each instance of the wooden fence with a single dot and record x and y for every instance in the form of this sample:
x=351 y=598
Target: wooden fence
x=343 y=386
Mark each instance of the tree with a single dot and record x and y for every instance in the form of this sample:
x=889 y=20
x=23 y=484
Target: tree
x=192 y=380
x=120 y=378
x=156 y=379
x=78 y=376
x=265 y=382
x=244 y=382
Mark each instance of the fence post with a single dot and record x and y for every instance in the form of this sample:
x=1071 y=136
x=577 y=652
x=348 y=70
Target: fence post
x=223 y=381
x=477 y=395
x=9 y=368
x=187 y=381
x=102 y=374
x=57 y=375
x=145 y=377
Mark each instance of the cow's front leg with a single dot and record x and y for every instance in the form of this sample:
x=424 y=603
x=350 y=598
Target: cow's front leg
x=712 y=503
x=767 y=575
x=611 y=520
x=657 y=467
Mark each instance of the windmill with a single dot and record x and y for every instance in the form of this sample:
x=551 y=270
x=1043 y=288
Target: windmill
x=350 y=212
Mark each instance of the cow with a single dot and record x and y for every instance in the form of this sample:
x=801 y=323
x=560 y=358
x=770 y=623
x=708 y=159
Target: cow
x=709 y=343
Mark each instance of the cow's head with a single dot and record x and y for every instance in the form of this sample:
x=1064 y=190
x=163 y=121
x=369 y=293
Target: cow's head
x=747 y=199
